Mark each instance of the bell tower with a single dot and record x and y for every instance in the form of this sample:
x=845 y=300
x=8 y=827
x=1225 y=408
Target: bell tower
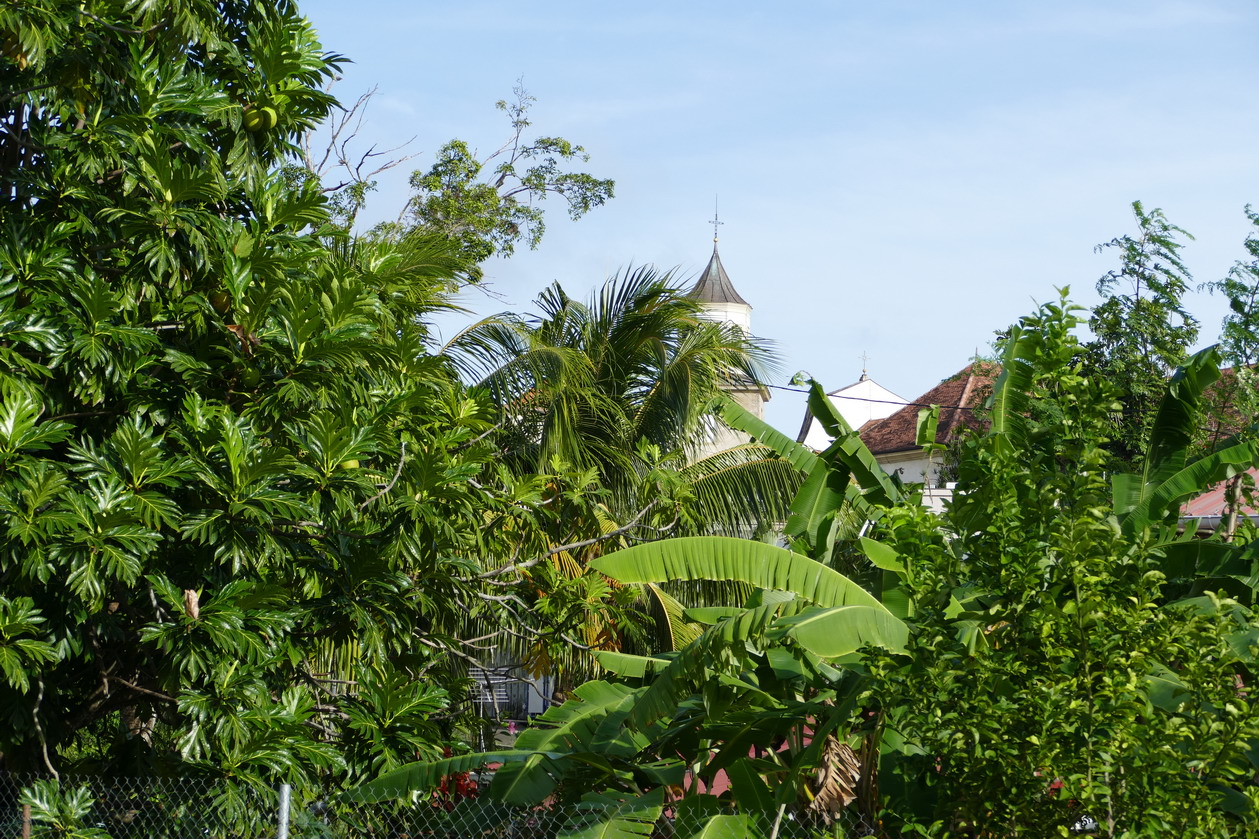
x=720 y=302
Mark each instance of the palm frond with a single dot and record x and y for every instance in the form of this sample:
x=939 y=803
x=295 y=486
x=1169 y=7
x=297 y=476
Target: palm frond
x=740 y=490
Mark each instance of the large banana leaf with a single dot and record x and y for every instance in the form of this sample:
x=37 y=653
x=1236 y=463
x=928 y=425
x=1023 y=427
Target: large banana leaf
x=831 y=633
x=1193 y=558
x=848 y=449
x=743 y=420
x=692 y=812
x=827 y=488
x=881 y=555
x=1161 y=501
x=927 y=428
x=605 y=817
x=530 y=772
x=724 y=558
x=724 y=826
x=1126 y=490
x=693 y=665
x=823 y=493
x=624 y=664
x=570 y=727
x=749 y=788
x=771 y=569
x=1166 y=479
x=670 y=617
x=527 y=782
x=1177 y=418
x=1170 y=439
x=709 y=615
x=825 y=412
x=1165 y=690
x=1009 y=401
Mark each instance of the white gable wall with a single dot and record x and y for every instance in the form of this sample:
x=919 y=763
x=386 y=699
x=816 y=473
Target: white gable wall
x=857 y=404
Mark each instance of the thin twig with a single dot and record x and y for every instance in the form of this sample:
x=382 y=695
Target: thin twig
x=572 y=546
x=122 y=29
x=139 y=689
x=16 y=93
x=402 y=458
x=633 y=523
x=39 y=729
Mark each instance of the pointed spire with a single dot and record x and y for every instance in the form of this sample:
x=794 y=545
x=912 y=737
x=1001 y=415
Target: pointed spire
x=714 y=284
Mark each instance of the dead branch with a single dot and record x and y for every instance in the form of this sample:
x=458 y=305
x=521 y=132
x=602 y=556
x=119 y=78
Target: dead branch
x=343 y=131
x=139 y=689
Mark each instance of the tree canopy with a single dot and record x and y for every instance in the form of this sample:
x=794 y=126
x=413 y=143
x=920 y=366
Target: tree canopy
x=243 y=525
x=254 y=526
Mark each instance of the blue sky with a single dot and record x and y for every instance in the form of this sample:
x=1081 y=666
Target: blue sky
x=896 y=178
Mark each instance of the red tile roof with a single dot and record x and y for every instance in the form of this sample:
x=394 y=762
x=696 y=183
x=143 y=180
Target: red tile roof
x=958 y=396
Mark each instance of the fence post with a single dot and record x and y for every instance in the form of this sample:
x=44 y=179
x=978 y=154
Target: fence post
x=282 y=830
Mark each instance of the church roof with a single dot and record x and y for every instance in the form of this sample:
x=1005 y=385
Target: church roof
x=959 y=396
x=714 y=284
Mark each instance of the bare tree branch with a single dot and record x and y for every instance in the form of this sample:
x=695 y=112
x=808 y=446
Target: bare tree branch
x=572 y=546
x=402 y=458
x=343 y=130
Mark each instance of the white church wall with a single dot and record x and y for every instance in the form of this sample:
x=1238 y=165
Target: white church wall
x=857 y=404
x=738 y=314
x=914 y=467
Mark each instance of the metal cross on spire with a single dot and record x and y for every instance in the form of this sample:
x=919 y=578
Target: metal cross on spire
x=865 y=361
x=716 y=221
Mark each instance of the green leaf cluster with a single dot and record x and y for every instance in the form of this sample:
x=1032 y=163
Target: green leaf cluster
x=245 y=511
x=1057 y=669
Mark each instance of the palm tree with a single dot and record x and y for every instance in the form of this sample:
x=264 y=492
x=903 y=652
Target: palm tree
x=625 y=386
x=590 y=382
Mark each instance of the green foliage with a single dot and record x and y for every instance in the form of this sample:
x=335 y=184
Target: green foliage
x=58 y=813
x=752 y=696
x=1032 y=694
x=247 y=516
x=622 y=388
x=725 y=558
x=573 y=751
x=1041 y=652
x=488 y=211
x=1141 y=329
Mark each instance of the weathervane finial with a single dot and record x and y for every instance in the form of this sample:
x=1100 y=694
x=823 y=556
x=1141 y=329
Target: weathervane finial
x=865 y=361
x=716 y=221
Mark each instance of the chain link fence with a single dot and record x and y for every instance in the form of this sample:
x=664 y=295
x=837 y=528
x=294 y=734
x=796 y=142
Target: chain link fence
x=99 y=807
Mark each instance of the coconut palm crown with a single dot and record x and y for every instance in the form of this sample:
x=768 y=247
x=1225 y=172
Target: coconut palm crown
x=589 y=383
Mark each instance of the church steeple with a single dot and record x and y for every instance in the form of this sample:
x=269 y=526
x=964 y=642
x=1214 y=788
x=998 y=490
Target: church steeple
x=714 y=291
x=714 y=284
x=719 y=302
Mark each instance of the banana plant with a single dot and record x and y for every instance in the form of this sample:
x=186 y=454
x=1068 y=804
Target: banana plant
x=844 y=485
x=580 y=747
x=1151 y=499
x=767 y=693
x=746 y=686
x=581 y=755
